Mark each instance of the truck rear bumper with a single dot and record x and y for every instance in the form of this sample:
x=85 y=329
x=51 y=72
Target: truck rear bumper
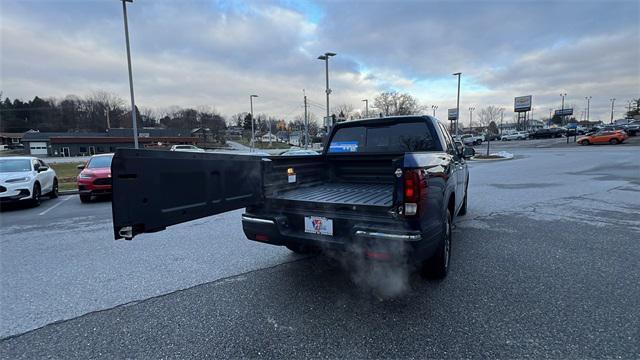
x=373 y=239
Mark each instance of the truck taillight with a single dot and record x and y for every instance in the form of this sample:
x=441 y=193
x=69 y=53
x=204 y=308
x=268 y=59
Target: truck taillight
x=414 y=187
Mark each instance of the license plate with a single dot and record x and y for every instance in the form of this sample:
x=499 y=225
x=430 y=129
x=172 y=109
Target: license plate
x=318 y=225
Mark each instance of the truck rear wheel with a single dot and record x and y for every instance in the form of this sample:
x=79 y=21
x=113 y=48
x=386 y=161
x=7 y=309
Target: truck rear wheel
x=437 y=266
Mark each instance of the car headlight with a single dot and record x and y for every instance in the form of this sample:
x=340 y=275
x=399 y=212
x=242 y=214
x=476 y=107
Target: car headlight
x=85 y=176
x=19 y=180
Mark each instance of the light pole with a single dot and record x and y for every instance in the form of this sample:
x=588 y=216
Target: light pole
x=457 y=102
x=588 y=98
x=366 y=107
x=471 y=117
x=501 y=119
x=434 y=107
x=613 y=100
x=326 y=57
x=252 y=121
x=133 y=102
x=562 y=113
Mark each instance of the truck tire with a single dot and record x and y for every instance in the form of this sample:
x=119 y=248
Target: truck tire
x=437 y=266
x=463 y=208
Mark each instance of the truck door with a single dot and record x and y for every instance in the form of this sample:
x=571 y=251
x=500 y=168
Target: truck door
x=154 y=189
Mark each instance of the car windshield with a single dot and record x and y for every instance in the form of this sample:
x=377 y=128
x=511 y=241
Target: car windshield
x=15 y=165
x=408 y=136
x=100 y=162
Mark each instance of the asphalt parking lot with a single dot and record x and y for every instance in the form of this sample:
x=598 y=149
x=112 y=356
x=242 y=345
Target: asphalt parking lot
x=545 y=264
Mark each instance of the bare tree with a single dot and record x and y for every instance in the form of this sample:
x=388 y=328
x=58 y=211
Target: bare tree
x=394 y=103
x=343 y=110
x=488 y=114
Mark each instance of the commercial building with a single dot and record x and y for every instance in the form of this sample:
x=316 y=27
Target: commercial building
x=89 y=143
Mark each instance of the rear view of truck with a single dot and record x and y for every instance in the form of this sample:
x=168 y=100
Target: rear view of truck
x=384 y=189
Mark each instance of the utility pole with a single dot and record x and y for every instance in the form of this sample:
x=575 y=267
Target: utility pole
x=306 y=122
x=457 y=102
x=133 y=102
x=613 y=100
x=326 y=57
x=366 y=107
x=252 y=121
x=562 y=112
x=471 y=118
x=588 y=106
x=501 y=119
x=108 y=122
x=434 y=107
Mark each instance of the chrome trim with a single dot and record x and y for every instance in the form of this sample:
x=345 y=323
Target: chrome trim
x=257 y=220
x=388 y=236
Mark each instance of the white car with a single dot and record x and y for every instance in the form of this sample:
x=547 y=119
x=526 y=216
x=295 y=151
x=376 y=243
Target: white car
x=26 y=179
x=520 y=135
x=469 y=139
x=187 y=148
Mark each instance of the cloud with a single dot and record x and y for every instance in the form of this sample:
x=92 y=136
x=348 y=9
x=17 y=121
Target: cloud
x=216 y=53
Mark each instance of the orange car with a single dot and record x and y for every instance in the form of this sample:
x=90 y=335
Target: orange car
x=603 y=137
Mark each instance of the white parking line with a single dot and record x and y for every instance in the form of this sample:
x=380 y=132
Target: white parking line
x=59 y=203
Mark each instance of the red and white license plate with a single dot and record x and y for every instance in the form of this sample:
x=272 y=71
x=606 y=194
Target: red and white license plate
x=318 y=225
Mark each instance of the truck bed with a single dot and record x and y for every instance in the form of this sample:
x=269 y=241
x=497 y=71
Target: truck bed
x=341 y=193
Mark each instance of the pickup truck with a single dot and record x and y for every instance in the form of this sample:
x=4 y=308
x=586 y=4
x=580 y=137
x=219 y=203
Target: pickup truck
x=385 y=189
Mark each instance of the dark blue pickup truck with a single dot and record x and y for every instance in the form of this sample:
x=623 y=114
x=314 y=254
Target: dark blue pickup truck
x=384 y=189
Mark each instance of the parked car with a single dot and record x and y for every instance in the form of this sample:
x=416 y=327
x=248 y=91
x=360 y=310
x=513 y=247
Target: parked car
x=520 y=135
x=470 y=139
x=603 y=137
x=26 y=179
x=187 y=148
x=544 y=134
x=298 y=152
x=95 y=177
x=384 y=189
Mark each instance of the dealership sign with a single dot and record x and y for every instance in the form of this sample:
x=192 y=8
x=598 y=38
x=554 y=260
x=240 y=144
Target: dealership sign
x=453 y=114
x=564 y=112
x=522 y=103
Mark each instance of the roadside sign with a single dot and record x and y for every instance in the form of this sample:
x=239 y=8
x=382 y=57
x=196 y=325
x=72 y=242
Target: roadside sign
x=564 y=112
x=522 y=103
x=452 y=114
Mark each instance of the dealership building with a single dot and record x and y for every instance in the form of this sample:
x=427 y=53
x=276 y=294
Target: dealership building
x=89 y=143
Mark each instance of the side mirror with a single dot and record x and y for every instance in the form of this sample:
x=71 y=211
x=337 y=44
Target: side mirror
x=42 y=168
x=81 y=167
x=459 y=148
x=468 y=152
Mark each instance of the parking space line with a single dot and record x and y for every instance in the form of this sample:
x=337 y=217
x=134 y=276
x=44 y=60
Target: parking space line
x=56 y=205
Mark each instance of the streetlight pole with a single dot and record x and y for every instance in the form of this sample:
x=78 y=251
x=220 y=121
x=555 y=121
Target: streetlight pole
x=562 y=113
x=458 y=101
x=133 y=102
x=471 y=117
x=501 y=119
x=588 y=105
x=613 y=100
x=326 y=57
x=366 y=107
x=434 y=107
x=252 y=121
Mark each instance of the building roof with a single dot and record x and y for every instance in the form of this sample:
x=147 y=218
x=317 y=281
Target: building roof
x=122 y=133
x=11 y=135
x=117 y=139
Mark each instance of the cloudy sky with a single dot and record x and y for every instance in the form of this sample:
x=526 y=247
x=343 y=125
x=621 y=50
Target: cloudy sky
x=217 y=53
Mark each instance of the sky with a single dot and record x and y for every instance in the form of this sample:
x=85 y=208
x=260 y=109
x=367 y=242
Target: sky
x=215 y=53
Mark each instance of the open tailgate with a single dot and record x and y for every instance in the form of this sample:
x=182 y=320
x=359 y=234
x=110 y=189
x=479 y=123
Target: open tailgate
x=154 y=189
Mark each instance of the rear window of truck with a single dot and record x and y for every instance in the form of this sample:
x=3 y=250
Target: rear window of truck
x=400 y=137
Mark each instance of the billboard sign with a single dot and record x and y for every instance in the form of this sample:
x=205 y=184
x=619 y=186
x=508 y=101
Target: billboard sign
x=522 y=103
x=452 y=114
x=564 y=112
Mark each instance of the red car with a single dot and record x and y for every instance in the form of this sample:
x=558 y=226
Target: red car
x=95 y=177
